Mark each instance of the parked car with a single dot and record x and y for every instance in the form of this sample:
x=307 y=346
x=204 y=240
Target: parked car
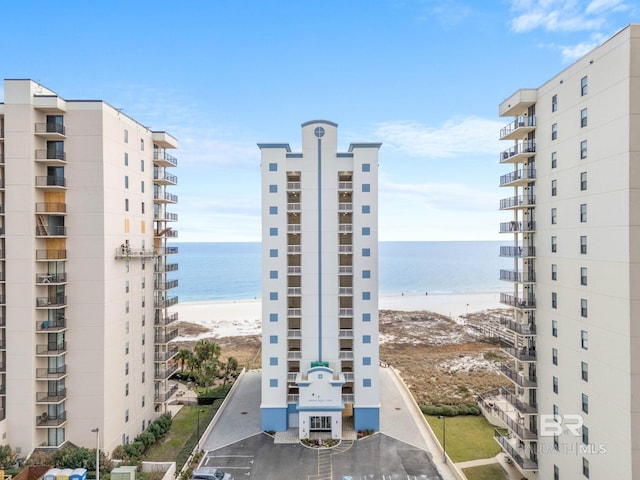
x=210 y=473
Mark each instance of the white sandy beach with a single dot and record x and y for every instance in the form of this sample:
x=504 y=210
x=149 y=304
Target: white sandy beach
x=242 y=317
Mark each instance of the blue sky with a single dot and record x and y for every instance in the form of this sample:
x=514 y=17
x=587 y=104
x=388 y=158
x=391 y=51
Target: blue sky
x=424 y=77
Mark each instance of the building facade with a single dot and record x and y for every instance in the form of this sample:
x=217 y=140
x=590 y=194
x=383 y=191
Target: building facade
x=320 y=284
x=85 y=271
x=574 y=224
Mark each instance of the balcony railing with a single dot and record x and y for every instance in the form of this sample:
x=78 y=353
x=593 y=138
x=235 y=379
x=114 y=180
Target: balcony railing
x=342 y=186
x=510 y=227
x=166 y=178
x=163 y=374
x=166 y=217
x=520 y=302
x=160 y=156
x=518 y=277
x=294 y=312
x=162 y=285
x=51 y=348
x=294 y=249
x=50 y=181
x=45 y=420
x=294 y=333
x=167 y=267
x=56 y=301
x=345 y=333
x=294 y=355
x=165 y=356
x=518 y=201
x=345 y=227
x=345 y=355
x=292 y=398
x=523 y=354
x=166 y=337
x=348 y=397
x=165 y=303
x=294 y=207
x=345 y=291
x=524 y=124
x=166 y=250
x=51 y=207
x=523 y=463
x=520 y=430
x=50 y=127
x=522 y=407
x=345 y=312
x=345 y=249
x=295 y=270
x=161 y=320
x=51 y=397
x=345 y=207
x=345 y=269
x=519 y=328
x=525 y=174
x=293 y=185
x=294 y=228
x=51 y=231
x=50 y=326
x=50 y=155
x=165 y=196
x=165 y=396
x=519 y=252
x=521 y=380
x=294 y=291
x=51 y=373
x=525 y=148
x=51 y=254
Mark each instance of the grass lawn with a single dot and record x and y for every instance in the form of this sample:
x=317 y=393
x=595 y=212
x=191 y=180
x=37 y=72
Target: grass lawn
x=486 y=472
x=468 y=437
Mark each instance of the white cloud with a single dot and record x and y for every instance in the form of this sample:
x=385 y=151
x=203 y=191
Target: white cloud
x=571 y=53
x=471 y=135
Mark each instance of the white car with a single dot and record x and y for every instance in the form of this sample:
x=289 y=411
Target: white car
x=210 y=473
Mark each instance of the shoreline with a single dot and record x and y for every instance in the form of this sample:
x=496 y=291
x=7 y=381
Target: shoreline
x=229 y=318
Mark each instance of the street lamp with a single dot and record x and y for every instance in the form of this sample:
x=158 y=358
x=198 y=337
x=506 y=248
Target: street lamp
x=97 y=432
x=444 y=438
x=198 y=429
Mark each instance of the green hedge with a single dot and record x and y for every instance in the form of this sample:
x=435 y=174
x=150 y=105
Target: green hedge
x=451 y=410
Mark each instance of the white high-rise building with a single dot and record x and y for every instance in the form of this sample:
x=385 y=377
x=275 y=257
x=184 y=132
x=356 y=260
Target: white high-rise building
x=85 y=329
x=575 y=243
x=320 y=284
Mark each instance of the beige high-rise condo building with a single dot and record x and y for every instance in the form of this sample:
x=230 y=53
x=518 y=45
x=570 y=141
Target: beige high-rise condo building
x=85 y=271
x=573 y=231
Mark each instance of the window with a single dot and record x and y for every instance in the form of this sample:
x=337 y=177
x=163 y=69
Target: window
x=126 y=415
x=142 y=186
x=554 y=103
x=554 y=244
x=126 y=159
x=583 y=118
x=366 y=209
x=554 y=216
x=583 y=149
x=273 y=274
x=366 y=382
x=366 y=317
x=366 y=339
x=273 y=295
x=273 y=231
x=126 y=309
x=126 y=136
x=583 y=181
x=366 y=252
x=273 y=339
x=554 y=159
x=366 y=274
x=554 y=328
x=554 y=356
x=273 y=252
x=126 y=368
x=273 y=382
x=141 y=145
x=142 y=165
x=273 y=317
x=143 y=400
x=366 y=295
x=555 y=384
x=556 y=410
x=556 y=443
x=126 y=348
x=273 y=210
x=583 y=86
x=126 y=181
x=554 y=188
x=273 y=188
x=556 y=473
x=366 y=361
x=142 y=207
x=583 y=307
x=366 y=167
x=366 y=231
x=583 y=244
x=584 y=369
x=584 y=339
x=126 y=390
x=366 y=187
x=583 y=275
x=554 y=300
x=583 y=212
x=585 y=462
x=273 y=167
x=554 y=271
x=126 y=204
x=554 y=131
x=273 y=361
x=585 y=403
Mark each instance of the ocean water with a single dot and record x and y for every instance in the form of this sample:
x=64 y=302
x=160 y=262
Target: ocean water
x=231 y=271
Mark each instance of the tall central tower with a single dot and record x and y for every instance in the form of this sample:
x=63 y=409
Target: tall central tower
x=320 y=284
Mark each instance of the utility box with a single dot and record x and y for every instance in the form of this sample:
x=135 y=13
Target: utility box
x=124 y=473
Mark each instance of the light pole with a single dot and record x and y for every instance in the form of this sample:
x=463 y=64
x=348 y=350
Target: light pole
x=198 y=429
x=444 y=438
x=97 y=432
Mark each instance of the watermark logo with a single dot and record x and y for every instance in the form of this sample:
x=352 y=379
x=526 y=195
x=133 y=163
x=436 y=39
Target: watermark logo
x=553 y=425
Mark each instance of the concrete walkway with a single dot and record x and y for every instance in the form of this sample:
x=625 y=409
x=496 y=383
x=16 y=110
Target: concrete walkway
x=512 y=471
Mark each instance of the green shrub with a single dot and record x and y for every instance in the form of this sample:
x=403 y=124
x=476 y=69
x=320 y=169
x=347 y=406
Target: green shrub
x=451 y=410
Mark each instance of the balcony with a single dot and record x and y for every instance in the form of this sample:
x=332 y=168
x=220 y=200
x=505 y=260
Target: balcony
x=165 y=337
x=51 y=349
x=165 y=217
x=345 y=291
x=345 y=249
x=513 y=424
x=345 y=312
x=519 y=302
x=526 y=329
x=519 y=201
x=525 y=464
x=294 y=333
x=345 y=228
x=165 y=197
x=50 y=130
x=517 y=378
x=294 y=249
x=161 y=285
x=517 y=252
x=517 y=277
x=519 y=152
x=51 y=207
x=50 y=255
x=348 y=398
x=51 y=157
x=51 y=231
x=51 y=182
x=51 y=326
x=522 y=354
x=519 y=128
x=345 y=355
x=51 y=397
x=160 y=357
x=45 y=420
x=127 y=252
x=292 y=398
x=51 y=373
x=164 y=178
x=294 y=186
x=165 y=373
x=518 y=177
x=345 y=270
x=349 y=376
x=294 y=355
x=294 y=291
x=291 y=376
x=167 y=267
x=166 y=302
x=345 y=186
x=345 y=333
x=294 y=312
x=56 y=301
x=165 y=396
x=163 y=159
x=518 y=103
x=294 y=228
x=513 y=227
x=294 y=270
x=166 y=250
x=523 y=407
x=163 y=321
x=345 y=207
x=294 y=207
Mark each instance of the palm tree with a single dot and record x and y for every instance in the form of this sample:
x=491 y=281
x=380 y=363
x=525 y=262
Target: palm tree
x=230 y=367
x=183 y=357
